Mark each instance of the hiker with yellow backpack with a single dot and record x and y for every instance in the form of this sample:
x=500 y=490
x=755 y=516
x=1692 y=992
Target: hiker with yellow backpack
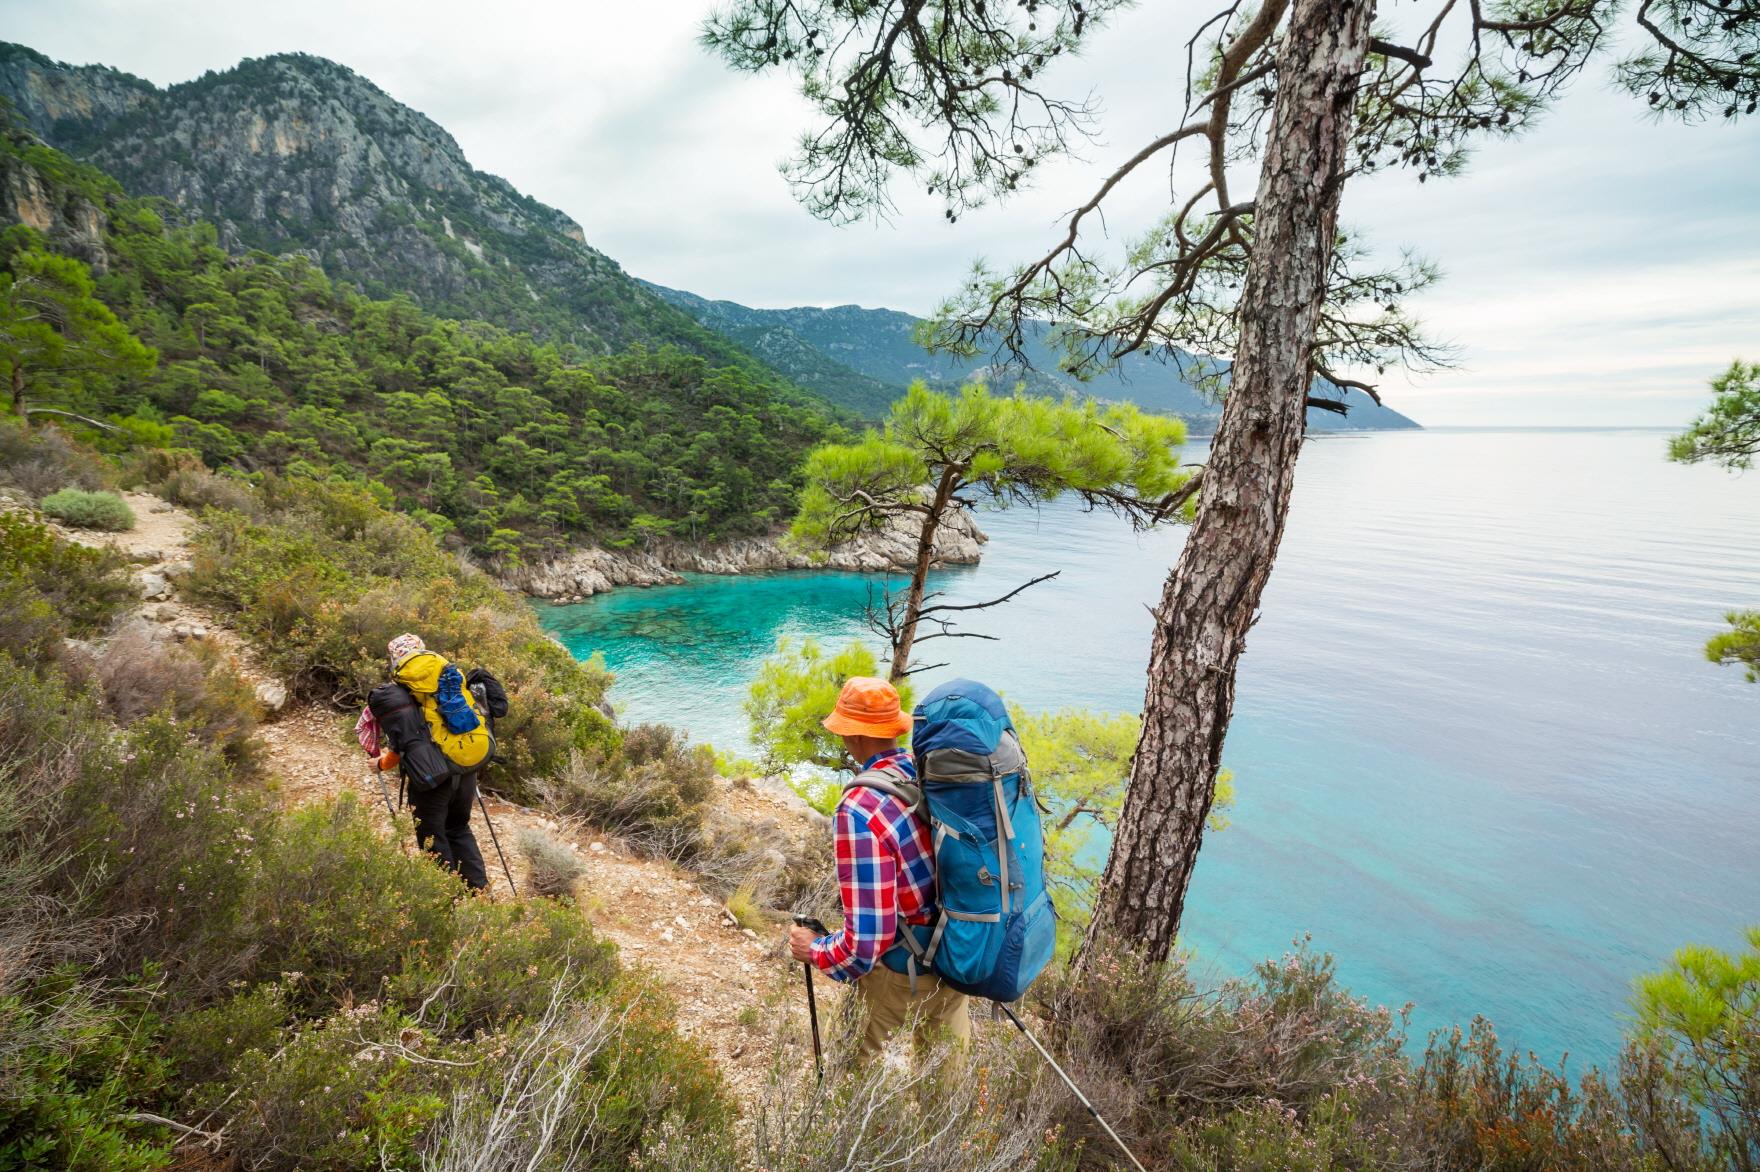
x=432 y=723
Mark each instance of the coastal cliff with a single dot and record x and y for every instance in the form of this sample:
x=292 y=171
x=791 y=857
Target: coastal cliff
x=592 y=570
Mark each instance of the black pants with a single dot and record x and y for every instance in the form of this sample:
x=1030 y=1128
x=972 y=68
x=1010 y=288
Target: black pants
x=443 y=828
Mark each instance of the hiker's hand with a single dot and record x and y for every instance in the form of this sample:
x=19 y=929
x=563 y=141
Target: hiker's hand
x=800 y=944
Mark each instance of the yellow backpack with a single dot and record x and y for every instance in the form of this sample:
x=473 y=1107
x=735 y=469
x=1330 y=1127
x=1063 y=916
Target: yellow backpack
x=447 y=704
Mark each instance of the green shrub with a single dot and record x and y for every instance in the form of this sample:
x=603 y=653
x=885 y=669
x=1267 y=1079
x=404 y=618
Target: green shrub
x=553 y=868
x=338 y=907
x=357 y=1090
x=793 y=691
x=89 y=510
x=203 y=1046
x=65 y=1106
x=1287 y=1070
x=82 y=588
x=196 y=487
x=161 y=838
x=589 y=1082
x=318 y=996
x=504 y=963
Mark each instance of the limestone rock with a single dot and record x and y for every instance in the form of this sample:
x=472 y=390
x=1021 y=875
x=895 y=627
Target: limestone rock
x=154 y=585
x=588 y=571
x=272 y=695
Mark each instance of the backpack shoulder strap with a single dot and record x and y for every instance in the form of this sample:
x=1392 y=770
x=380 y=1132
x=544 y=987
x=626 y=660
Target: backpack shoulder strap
x=888 y=782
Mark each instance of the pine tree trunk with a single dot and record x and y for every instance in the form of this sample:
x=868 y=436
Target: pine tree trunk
x=18 y=393
x=913 y=601
x=1212 y=595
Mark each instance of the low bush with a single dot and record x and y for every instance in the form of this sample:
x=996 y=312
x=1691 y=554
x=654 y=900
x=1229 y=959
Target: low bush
x=357 y=1090
x=39 y=460
x=141 y=675
x=343 y=912
x=992 y=1108
x=194 y=486
x=1287 y=1070
x=503 y=963
x=82 y=589
x=651 y=789
x=172 y=947
x=589 y=1083
x=554 y=868
x=88 y=510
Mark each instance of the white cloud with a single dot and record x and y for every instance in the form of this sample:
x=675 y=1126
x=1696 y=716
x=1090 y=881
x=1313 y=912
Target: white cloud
x=1598 y=271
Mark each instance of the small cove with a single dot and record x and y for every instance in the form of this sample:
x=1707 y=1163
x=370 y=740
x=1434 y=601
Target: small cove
x=1479 y=754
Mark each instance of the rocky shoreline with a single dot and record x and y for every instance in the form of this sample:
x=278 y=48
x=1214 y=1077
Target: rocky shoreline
x=591 y=570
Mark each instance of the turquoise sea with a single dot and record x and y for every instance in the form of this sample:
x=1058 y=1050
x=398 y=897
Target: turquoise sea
x=1480 y=756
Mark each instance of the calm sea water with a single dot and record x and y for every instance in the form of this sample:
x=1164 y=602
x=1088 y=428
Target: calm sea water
x=1479 y=754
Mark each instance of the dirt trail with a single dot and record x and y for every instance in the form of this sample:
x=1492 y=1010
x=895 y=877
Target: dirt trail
x=730 y=984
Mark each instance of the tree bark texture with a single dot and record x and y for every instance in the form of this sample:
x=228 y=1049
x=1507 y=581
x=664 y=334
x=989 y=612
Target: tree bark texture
x=913 y=602
x=1212 y=596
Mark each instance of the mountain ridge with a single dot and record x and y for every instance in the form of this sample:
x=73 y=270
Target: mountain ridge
x=880 y=343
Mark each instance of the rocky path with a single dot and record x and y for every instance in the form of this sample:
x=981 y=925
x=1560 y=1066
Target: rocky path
x=735 y=990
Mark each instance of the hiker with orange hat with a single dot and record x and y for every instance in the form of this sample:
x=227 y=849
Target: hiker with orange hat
x=886 y=874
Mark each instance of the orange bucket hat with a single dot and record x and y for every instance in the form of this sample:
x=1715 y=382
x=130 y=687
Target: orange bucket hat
x=868 y=707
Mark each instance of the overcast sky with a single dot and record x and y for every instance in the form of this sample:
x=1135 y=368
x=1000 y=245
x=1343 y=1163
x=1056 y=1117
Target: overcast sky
x=1598 y=271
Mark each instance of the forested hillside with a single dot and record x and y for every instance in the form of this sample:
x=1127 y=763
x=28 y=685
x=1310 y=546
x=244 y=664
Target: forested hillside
x=880 y=345
x=515 y=444
x=294 y=152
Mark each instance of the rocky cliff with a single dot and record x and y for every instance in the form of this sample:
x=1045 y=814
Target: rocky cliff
x=60 y=103
x=74 y=221
x=585 y=572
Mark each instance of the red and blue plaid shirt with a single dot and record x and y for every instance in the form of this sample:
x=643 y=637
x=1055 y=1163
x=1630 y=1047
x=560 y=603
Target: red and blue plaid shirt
x=885 y=870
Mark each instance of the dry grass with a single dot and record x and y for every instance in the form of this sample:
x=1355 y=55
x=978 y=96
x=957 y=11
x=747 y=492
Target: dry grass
x=554 y=868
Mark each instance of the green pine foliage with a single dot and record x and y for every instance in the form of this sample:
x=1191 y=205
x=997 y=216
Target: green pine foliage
x=1699 y=1022
x=1740 y=644
x=515 y=447
x=1728 y=433
x=54 y=329
x=1080 y=762
x=1010 y=449
x=793 y=691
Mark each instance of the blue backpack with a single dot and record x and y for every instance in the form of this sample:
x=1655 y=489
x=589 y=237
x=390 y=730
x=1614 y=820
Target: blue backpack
x=996 y=928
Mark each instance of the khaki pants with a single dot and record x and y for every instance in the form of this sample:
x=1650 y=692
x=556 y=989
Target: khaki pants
x=886 y=998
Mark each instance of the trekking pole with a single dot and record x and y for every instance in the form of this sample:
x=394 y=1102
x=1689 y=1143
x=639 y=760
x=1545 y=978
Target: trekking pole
x=1070 y=1083
x=812 y=1002
x=505 y=869
x=384 y=792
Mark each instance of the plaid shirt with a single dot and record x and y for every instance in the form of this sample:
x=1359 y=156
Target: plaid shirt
x=885 y=870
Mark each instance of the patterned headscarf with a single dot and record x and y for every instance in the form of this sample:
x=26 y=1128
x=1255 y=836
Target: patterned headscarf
x=404 y=646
